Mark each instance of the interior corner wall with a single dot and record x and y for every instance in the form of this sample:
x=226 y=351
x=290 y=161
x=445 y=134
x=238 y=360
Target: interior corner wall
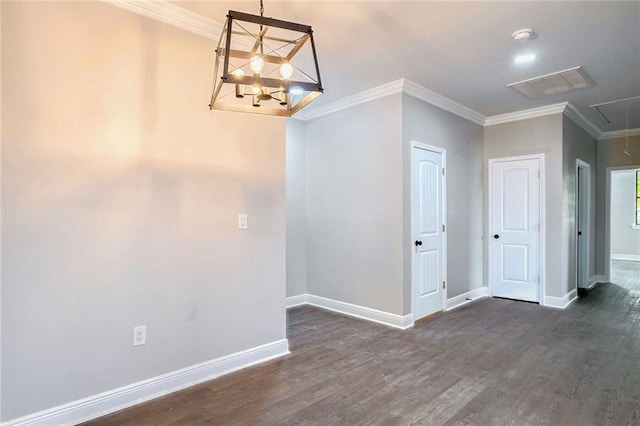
x=526 y=137
x=463 y=141
x=354 y=205
x=120 y=199
x=576 y=144
x=610 y=155
x=296 y=208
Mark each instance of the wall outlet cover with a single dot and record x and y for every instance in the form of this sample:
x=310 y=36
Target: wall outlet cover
x=139 y=335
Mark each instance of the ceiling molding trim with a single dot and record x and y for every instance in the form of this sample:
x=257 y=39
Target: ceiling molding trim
x=526 y=114
x=195 y=23
x=351 y=101
x=398 y=86
x=576 y=116
x=422 y=93
x=172 y=14
x=619 y=134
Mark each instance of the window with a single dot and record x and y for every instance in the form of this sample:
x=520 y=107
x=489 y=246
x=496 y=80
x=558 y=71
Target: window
x=637 y=197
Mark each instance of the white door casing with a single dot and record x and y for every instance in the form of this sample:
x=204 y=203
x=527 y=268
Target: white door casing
x=583 y=172
x=514 y=226
x=607 y=220
x=428 y=228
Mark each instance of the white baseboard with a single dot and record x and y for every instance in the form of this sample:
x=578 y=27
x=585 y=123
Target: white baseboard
x=601 y=278
x=634 y=257
x=108 y=402
x=561 y=302
x=591 y=283
x=362 y=312
x=463 y=299
x=299 y=300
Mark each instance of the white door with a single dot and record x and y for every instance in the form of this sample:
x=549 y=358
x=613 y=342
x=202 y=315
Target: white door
x=428 y=230
x=515 y=228
x=582 y=223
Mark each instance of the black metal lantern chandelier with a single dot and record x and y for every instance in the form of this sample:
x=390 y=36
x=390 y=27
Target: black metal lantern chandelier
x=265 y=66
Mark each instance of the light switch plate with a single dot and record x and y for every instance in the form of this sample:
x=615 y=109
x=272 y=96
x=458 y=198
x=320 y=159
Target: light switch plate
x=242 y=221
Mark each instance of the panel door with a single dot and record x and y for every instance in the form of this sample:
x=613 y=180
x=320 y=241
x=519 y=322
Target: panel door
x=428 y=241
x=515 y=229
x=582 y=226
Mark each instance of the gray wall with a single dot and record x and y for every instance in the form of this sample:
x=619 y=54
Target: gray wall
x=296 y=208
x=120 y=199
x=358 y=164
x=463 y=141
x=534 y=136
x=576 y=144
x=610 y=154
x=625 y=240
x=354 y=205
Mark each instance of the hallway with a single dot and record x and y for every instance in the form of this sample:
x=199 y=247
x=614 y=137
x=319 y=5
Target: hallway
x=626 y=273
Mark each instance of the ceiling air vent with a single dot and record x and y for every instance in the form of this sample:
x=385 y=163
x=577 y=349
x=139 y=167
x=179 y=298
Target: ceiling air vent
x=553 y=84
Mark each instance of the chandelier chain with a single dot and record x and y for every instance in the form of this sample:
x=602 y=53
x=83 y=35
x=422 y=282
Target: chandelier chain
x=261 y=8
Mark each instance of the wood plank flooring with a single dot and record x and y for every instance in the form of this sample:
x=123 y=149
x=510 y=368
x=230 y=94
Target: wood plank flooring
x=493 y=361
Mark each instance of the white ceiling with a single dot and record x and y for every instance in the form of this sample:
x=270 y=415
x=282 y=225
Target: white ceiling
x=464 y=50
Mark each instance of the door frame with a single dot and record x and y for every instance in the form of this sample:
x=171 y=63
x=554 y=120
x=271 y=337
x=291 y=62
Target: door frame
x=607 y=219
x=443 y=152
x=586 y=233
x=542 y=226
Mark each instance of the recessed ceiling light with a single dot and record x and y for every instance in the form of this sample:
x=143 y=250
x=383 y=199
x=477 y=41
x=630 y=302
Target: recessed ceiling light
x=525 y=59
x=523 y=35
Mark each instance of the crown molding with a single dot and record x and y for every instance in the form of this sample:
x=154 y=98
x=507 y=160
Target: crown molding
x=402 y=85
x=422 y=93
x=195 y=23
x=172 y=14
x=351 y=101
x=526 y=114
x=576 y=116
x=619 y=134
x=187 y=20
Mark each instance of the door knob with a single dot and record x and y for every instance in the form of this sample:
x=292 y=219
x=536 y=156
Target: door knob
x=496 y=236
x=418 y=243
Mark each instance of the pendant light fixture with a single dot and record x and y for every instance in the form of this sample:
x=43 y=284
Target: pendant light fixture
x=265 y=66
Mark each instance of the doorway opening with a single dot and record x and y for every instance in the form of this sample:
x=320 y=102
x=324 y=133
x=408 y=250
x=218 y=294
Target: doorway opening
x=624 y=227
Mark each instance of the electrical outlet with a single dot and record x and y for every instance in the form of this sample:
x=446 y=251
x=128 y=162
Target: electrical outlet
x=139 y=335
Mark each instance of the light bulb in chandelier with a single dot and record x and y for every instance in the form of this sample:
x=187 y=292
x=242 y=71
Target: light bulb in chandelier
x=257 y=64
x=286 y=70
x=239 y=87
x=255 y=90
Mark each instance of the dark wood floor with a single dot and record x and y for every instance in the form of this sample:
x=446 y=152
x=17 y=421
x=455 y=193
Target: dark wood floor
x=493 y=361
